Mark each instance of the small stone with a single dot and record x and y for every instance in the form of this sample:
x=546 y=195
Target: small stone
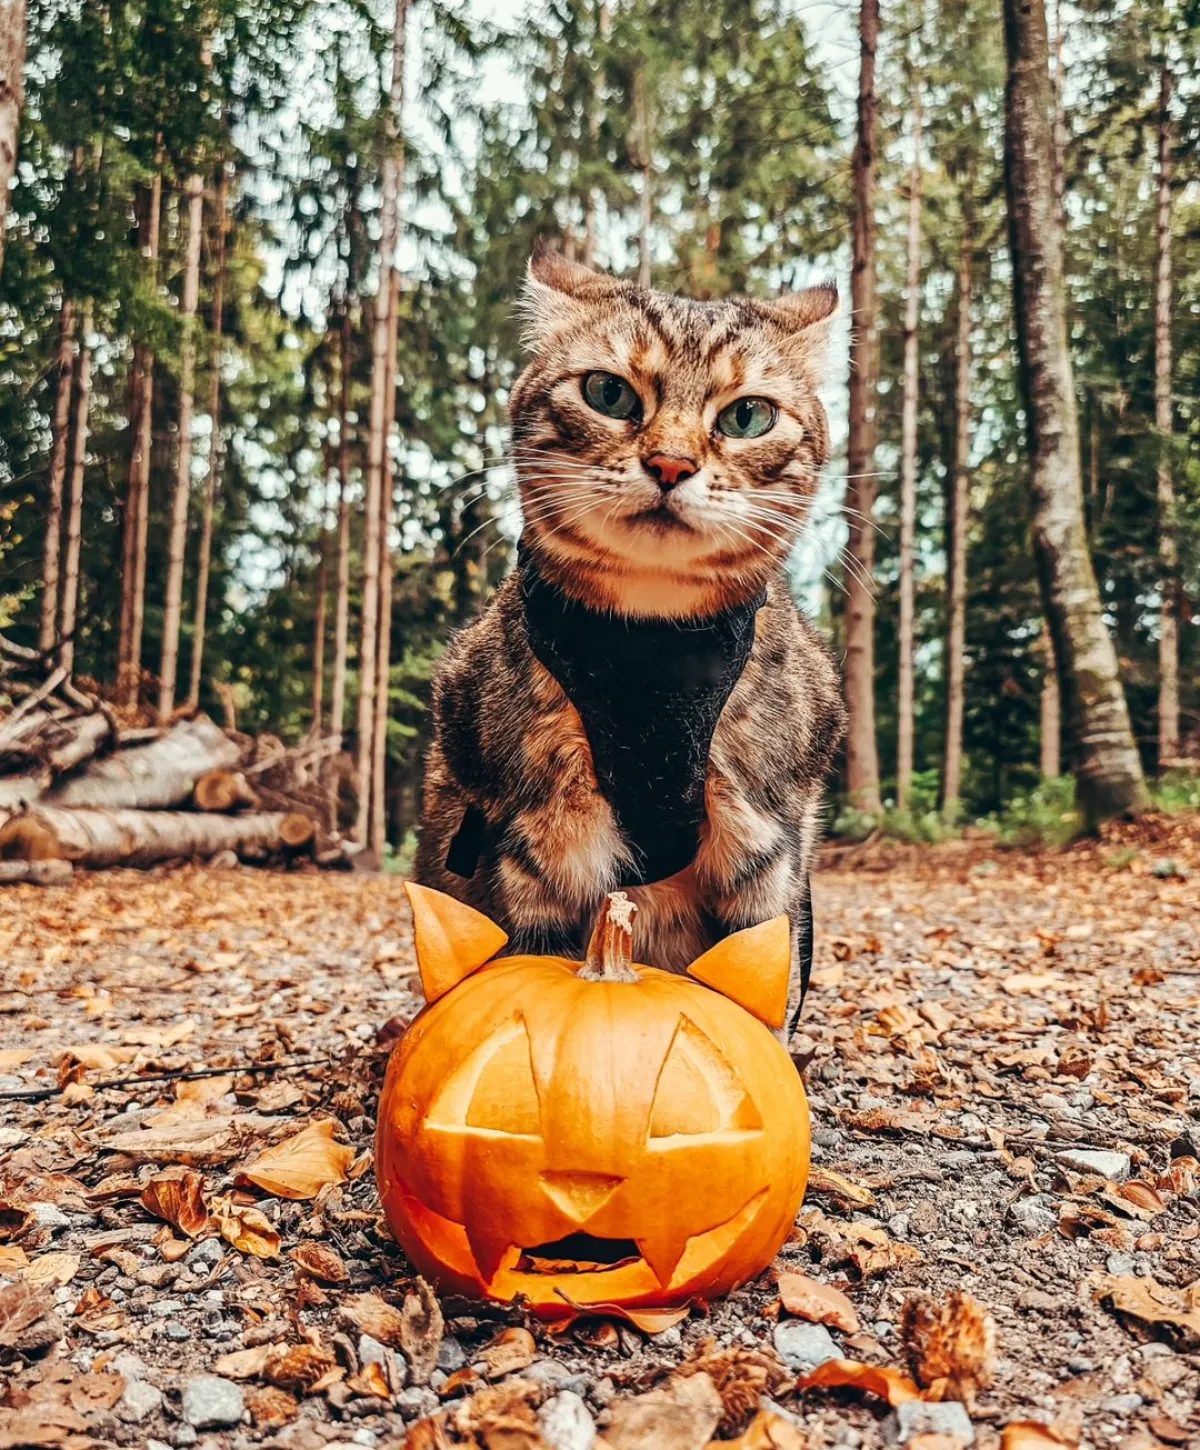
x=1038 y=1299
x=961 y=1157
x=166 y=1308
x=156 y=1275
x=1119 y=1264
x=555 y=1376
x=416 y=1401
x=130 y=1367
x=139 y=1400
x=923 y=1219
x=1097 y=1160
x=46 y=1215
x=566 y=1423
x=205 y=1256
x=670 y=1338
x=183 y=1436
x=920 y=1417
x=212 y=1403
x=1036 y=1214
x=12 y=1137
x=804 y=1346
x=176 y=1332
x=1122 y=1404
x=157 y=1445
x=451 y=1355
x=1079 y=1363
x=603 y=1392
x=363 y=1436
x=883 y=1328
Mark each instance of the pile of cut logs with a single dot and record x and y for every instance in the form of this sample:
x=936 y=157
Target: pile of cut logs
x=80 y=786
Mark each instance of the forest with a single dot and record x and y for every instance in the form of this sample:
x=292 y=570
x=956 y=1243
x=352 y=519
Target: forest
x=257 y=333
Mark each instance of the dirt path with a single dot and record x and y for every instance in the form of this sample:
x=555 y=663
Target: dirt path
x=976 y=1022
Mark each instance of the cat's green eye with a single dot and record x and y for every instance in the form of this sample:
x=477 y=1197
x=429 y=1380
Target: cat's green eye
x=747 y=418
x=611 y=395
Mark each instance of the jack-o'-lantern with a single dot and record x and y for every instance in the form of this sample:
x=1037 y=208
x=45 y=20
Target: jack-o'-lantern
x=597 y=1134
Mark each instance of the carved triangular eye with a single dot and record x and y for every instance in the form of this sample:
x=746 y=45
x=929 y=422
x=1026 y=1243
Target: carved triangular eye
x=493 y=1092
x=698 y=1091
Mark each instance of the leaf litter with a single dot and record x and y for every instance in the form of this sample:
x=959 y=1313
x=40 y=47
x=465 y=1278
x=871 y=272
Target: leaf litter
x=967 y=1034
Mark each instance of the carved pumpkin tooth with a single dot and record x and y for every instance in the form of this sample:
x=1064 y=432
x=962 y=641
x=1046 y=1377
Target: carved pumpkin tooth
x=489 y=1248
x=662 y=1250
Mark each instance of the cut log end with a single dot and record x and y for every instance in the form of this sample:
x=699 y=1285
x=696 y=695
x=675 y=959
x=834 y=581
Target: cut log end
x=610 y=951
x=27 y=838
x=223 y=790
x=296 y=831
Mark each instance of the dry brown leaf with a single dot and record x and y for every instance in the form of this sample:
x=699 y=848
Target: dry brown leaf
x=248 y=1229
x=13 y=1258
x=372 y=1315
x=742 y=1375
x=12 y=1058
x=300 y=1368
x=1031 y=1435
x=1143 y=1195
x=301 y=1165
x=204 y=1089
x=271 y=1407
x=822 y=1304
x=27 y=1318
x=889 y=1384
x=682 y=1415
x=951 y=1344
x=421 y=1331
x=510 y=1351
x=320 y=1261
x=767 y=1431
x=371 y=1380
x=839 y=1187
x=15 y=1220
x=649 y=1321
x=882 y=1258
x=178 y=1197
x=1152 y=1303
x=51 y=1270
x=195 y=1141
x=247 y=1364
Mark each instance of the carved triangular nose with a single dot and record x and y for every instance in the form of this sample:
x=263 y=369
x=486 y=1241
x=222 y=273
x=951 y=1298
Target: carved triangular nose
x=580 y=1195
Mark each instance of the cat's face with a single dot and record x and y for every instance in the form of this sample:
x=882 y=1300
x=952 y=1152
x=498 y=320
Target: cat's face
x=666 y=450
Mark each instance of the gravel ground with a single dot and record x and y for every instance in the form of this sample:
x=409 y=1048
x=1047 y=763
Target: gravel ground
x=1003 y=1060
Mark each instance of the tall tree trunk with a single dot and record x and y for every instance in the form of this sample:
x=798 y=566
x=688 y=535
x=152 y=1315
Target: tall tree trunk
x=173 y=606
x=12 y=97
x=52 y=545
x=376 y=439
x=862 y=755
x=956 y=544
x=1108 y=772
x=645 y=164
x=318 y=655
x=1168 y=552
x=384 y=666
x=592 y=207
x=908 y=467
x=212 y=482
x=137 y=494
x=69 y=614
x=341 y=610
x=1050 y=723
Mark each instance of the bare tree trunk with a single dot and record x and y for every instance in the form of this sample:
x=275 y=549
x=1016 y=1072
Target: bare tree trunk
x=1051 y=714
x=12 y=97
x=173 y=605
x=318 y=656
x=645 y=165
x=384 y=667
x=1168 y=551
x=1108 y=772
x=52 y=545
x=137 y=496
x=862 y=754
x=908 y=467
x=341 y=613
x=591 y=209
x=69 y=614
x=958 y=514
x=204 y=565
x=376 y=439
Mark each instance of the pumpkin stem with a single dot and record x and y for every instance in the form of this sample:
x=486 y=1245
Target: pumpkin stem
x=610 y=951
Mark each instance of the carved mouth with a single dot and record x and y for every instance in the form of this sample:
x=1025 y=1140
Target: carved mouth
x=578 y=1253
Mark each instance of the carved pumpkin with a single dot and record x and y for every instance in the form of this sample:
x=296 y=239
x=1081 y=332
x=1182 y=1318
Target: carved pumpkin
x=604 y=1135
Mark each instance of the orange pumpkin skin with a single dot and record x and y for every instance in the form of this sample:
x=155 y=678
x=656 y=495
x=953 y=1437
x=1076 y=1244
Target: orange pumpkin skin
x=529 y=1105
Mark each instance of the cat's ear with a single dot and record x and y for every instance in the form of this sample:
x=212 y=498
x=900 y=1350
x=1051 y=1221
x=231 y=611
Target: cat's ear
x=560 y=293
x=808 y=317
x=752 y=968
x=452 y=939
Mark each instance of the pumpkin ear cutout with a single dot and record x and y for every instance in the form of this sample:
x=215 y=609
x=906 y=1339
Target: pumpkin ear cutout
x=752 y=968
x=452 y=939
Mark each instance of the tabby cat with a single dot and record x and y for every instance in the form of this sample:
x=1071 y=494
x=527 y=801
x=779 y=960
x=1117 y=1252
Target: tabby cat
x=641 y=705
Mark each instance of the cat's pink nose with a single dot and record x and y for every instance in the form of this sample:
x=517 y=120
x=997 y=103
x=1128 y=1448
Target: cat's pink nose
x=668 y=469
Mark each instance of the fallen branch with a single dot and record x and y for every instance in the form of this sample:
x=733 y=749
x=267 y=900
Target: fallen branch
x=162 y=773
